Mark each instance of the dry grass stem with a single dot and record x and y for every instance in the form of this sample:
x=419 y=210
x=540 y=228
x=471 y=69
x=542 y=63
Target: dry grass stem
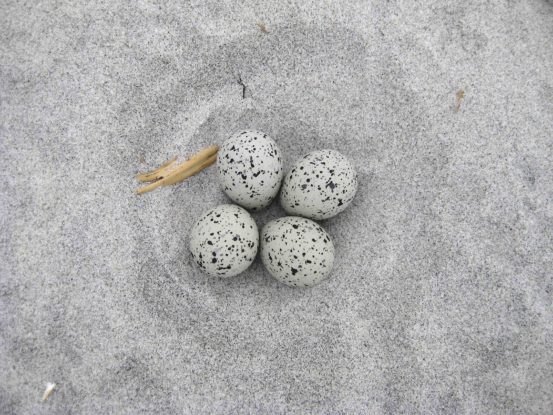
x=171 y=173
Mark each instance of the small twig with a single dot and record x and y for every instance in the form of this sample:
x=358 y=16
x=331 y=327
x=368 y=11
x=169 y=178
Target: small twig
x=171 y=173
x=243 y=86
x=262 y=27
x=157 y=173
x=49 y=389
x=185 y=173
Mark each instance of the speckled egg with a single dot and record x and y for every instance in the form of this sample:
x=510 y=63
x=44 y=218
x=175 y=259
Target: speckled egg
x=224 y=241
x=250 y=169
x=319 y=186
x=297 y=251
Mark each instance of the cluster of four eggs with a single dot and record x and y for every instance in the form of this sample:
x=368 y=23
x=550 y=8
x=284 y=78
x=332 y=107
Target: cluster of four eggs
x=295 y=250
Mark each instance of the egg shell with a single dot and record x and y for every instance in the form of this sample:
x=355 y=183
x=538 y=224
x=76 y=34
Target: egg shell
x=250 y=169
x=224 y=241
x=319 y=186
x=297 y=251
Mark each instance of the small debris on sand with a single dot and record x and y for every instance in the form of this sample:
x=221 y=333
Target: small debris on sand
x=49 y=389
x=240 y=82
x=459 y=96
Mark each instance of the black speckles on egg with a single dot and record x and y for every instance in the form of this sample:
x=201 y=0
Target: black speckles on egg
x=319 y=186
x=296 y=251
x=224 y=241
x=250 y=169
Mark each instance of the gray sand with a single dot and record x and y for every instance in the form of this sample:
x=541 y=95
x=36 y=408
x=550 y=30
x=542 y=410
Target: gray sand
x=441 y=297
